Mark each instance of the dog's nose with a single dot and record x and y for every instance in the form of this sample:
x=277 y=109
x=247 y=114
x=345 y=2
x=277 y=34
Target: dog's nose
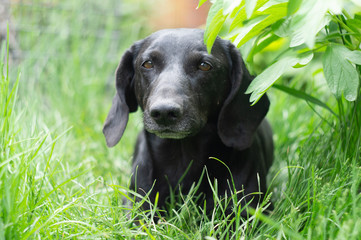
x=165 y=113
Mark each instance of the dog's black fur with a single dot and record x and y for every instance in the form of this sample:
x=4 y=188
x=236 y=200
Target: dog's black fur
x=194 y=107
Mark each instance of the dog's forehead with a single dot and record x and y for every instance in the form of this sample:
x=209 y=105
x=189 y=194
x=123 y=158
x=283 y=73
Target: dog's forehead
x=176 y=41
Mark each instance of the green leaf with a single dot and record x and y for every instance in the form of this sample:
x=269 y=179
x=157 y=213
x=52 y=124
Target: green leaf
x=282 y=27
x=310 y=19
x=306 y=58
x=239 y=18
x=216 y=26
x=246 y=32
x=352 y=56
x=216 y=6
x=293 y=6
x=236 y=10
x=268 y=77
x=265 y=43
x=354 y=24
x=302 y=95
x=341 y=76
x=261 y=3
x=230 y=5
x=215 y=21
x=257 y=25
x=242 y=15
x=201 y=2
x=250 y=7
x=357 y=16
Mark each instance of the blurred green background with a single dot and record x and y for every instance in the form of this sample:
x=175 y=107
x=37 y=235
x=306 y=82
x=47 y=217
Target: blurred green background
x=69 y=53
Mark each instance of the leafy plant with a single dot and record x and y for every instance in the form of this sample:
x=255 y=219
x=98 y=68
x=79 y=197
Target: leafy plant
x=300 y=33
x=307 y=27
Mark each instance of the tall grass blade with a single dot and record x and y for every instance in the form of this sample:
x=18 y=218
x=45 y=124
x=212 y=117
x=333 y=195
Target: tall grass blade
x=304 y=96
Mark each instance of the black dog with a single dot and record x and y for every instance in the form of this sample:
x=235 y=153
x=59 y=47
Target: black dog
x=194 y=108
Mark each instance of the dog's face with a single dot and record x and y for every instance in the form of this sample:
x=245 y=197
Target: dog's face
x=178 y=85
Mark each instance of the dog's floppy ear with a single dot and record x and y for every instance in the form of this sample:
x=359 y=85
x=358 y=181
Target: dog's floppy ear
x=238 y=120
x=124 y=101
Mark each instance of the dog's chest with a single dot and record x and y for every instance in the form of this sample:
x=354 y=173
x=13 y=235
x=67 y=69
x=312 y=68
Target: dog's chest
x=182 y=162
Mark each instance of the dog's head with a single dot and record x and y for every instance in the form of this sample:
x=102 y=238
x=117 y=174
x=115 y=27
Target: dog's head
x=180 y=87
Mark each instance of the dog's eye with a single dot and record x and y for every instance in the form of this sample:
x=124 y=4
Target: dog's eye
x=147 y=64
x=203 y=66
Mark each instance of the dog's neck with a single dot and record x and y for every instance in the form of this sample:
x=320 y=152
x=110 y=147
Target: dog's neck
x=187 y=157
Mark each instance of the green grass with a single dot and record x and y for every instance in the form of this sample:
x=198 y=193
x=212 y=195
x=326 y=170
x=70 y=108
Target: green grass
x=58 y=180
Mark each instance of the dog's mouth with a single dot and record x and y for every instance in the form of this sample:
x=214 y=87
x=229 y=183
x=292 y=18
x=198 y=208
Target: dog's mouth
x=168 y=133
x=174 y=130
